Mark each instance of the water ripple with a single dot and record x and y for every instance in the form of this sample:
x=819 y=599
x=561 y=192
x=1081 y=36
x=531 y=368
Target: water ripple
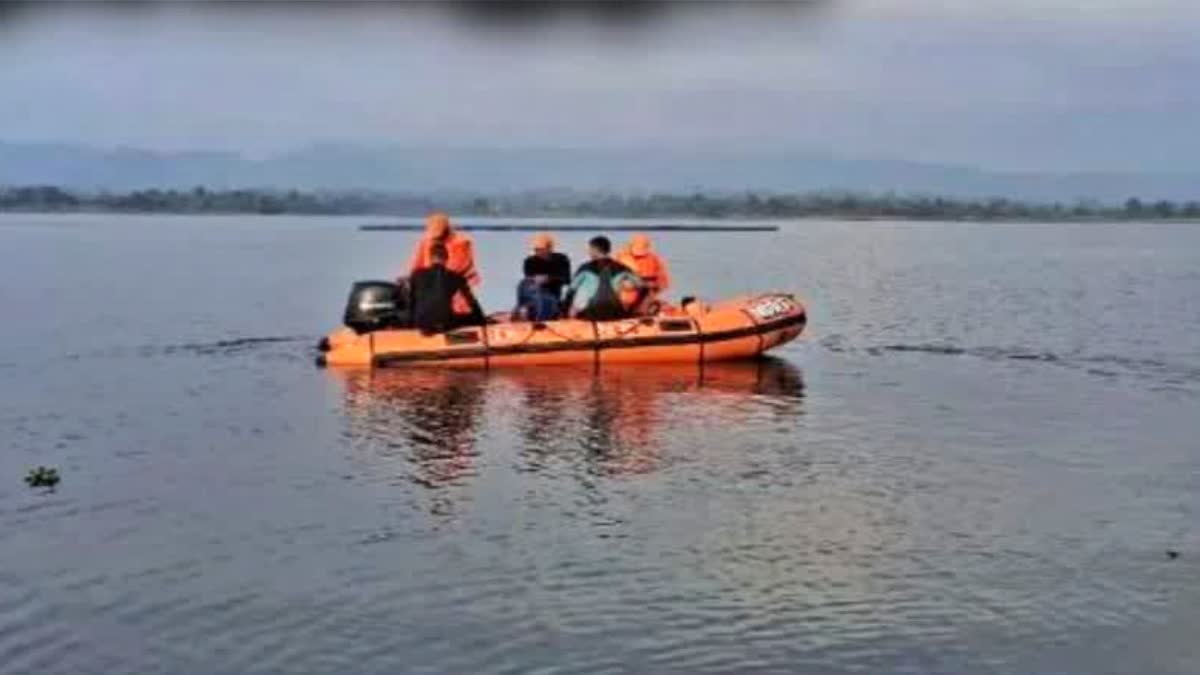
x=1103 y=365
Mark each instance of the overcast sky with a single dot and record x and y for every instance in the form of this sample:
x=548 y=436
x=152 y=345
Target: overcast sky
x=1045 y=84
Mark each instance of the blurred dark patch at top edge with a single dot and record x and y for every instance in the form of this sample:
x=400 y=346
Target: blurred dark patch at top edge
x=474 y=13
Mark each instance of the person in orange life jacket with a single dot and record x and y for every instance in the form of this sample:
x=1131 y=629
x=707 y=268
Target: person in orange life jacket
x=595 y=291
x=432 y=291
x=641 y=259
x=460 y=254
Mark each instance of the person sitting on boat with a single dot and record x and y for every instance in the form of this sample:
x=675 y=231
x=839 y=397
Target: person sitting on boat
x=433 y=291
x=595 y=291
x=460 y=251
x=539 y=295
x=640 y=257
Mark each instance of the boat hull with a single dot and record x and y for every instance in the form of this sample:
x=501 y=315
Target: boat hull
x=741 y=328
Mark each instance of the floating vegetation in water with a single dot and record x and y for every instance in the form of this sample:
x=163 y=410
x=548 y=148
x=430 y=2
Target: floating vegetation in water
x=42 y=476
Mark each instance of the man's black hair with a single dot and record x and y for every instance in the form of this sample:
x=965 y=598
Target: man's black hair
x=601 y=244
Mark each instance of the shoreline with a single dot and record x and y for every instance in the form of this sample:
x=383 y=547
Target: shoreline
x=718 y=223
x=716 y=207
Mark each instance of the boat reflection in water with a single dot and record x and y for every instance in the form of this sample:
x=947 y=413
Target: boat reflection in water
x=431 y=426
x=621 y=421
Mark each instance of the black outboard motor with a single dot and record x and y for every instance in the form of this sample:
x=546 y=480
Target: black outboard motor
x=374 y=305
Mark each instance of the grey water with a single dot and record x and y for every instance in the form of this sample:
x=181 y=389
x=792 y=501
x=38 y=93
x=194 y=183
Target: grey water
x=976 y=461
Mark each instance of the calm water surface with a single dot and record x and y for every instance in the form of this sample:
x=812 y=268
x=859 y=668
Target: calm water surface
x=977 y=461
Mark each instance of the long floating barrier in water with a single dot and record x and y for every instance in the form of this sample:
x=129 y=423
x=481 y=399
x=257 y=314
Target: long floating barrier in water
x=525 y=227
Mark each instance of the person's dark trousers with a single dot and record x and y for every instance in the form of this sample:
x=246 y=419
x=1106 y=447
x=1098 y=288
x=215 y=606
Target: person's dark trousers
x=537 y=303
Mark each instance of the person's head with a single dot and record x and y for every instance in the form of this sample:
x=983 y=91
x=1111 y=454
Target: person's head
x=639 y=245
x=542 y=244
x=437 y=225
x=438 y=254
x=599 y=247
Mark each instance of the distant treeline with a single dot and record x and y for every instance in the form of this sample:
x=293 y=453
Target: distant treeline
x=583 y=204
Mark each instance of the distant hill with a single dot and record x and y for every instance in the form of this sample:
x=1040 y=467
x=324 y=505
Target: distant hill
x=426 y=171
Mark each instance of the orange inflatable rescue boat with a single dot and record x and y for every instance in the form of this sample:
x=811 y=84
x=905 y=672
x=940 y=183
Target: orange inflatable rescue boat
x=739 y=328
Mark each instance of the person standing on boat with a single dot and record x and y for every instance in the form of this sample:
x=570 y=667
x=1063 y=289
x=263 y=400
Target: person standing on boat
x=433 y=291
x=547 y=272
x=640 y=257
x=460 y=251
x=595 y=291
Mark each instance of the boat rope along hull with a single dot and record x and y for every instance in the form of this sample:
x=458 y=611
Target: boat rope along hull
x=736 y=329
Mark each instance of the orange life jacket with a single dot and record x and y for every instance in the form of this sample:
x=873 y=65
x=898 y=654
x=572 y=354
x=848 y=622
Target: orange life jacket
x=652 y=270
x=460 y=257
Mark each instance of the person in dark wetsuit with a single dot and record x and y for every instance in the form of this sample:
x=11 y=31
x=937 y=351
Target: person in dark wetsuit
x=539 y=295
x=595 y=291
x=432 y=292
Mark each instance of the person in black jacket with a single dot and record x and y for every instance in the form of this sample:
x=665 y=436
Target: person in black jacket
x=546 y=273
x=432 y=291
